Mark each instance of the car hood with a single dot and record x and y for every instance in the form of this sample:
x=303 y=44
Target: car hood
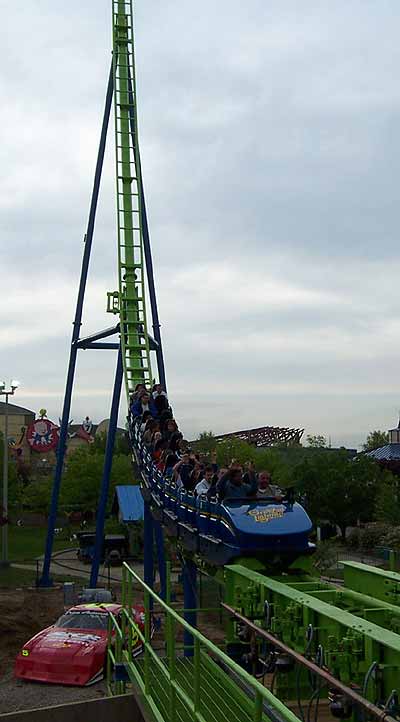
x=66 y=656
x=71 y=641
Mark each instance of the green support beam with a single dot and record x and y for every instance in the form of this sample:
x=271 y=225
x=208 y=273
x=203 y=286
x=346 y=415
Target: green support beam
x=367 y=607
x=377 y=582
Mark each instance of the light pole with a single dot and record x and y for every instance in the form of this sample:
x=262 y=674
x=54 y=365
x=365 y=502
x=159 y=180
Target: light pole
x=6 y=390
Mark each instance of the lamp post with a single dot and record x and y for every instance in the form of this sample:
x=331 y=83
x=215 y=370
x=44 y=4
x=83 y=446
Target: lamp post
x=6 y=390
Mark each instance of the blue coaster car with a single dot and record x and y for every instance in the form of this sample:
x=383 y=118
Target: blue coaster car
x=220 y=532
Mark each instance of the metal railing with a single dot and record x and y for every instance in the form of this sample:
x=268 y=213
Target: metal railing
x=207 y=687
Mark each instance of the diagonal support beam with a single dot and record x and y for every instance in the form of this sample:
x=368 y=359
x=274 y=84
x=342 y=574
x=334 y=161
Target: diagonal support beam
x=84 y=342
x=45 y=580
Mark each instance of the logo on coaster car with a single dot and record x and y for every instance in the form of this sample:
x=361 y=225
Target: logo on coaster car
x=266 y=515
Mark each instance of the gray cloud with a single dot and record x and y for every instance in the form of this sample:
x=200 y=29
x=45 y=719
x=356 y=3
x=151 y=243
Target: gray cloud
x=271 y=156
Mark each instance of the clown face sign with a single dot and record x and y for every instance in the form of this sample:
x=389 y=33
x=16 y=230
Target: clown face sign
x=42 y=435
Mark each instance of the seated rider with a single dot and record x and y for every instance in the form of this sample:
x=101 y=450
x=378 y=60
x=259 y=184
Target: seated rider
x=233 y=486
x=158 y=391
x=182 y=472
x=143 y=404
x=204 y=486
x=161 y=403
x=266 y=488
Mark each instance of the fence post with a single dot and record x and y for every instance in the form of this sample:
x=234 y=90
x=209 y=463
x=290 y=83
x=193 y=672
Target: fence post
x=146 y=642
x=168 y=583
x=197 y=677
x=172 y=666
x=258 y=707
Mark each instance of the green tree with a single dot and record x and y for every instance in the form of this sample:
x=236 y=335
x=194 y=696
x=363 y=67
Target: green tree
x=233 y=448
x=316 y=441
x=205 y=442
x=121 y=444
x=387 y=502
x=82 y=479
x=37 y=496
x=375 y=439
x=339 y=489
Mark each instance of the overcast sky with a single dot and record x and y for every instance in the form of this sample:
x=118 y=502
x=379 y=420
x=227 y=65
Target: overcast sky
x=270 y=141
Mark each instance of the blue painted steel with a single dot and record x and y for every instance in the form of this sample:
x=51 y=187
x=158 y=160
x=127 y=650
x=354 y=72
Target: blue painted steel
x=148 y=546
x=130 y=502
x=147 y=250
x=104 y=346
x=190 y=602
x=162 y=570
x=105 y=482
x=45 y=579
x=152 y=294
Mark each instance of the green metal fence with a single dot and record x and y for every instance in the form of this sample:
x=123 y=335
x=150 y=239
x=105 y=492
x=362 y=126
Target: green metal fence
x=206 y=687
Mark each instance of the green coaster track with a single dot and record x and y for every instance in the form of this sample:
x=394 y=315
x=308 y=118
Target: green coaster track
x=129 y=301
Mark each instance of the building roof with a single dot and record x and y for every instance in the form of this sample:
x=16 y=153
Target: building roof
x=129 y=500
x=390 y=452
x=14 y=410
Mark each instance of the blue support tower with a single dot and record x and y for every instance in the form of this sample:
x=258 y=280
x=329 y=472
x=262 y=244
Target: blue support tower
x=148 y=546
x=162 y=569
x=45 y=580
x=105 y=484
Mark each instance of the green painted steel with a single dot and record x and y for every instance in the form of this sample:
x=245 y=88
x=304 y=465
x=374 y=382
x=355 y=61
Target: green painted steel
x=379 y=583
x=367 y=607
x=129 y=301
x=350 y=643
x=208 y=687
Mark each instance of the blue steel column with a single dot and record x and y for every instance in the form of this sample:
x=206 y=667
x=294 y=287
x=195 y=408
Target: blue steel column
x=148 y=561
x=105 y=482
x=152 y=294
x=159 y=537
x=189 y=602
x=45 y=580
x=147 y=251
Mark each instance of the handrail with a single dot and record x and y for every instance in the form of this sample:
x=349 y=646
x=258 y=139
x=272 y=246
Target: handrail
x=200 y=644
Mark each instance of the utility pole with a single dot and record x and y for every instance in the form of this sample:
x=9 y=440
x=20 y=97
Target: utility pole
x=6 y=391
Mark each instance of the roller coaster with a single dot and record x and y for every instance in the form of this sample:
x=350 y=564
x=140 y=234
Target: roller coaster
x=315 y=641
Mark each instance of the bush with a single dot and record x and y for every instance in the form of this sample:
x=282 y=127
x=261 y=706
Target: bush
x=373 y=535
x=392 y=538
x=325 y=557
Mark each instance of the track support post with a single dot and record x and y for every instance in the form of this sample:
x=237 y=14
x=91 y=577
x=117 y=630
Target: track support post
x=159 y=538
x=190 y=603
x=45 y=579
x=105 y=483
x=148 y=546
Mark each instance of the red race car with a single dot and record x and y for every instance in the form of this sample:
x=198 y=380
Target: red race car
x=73 y=650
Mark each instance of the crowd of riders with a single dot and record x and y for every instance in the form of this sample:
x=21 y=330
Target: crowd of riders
x=172 y=456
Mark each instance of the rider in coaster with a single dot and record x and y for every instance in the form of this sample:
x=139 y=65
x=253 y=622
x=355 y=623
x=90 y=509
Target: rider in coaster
x=204 y=486
x=143 y=404
x=266 y=488
x=182 y=472
x=233 y=485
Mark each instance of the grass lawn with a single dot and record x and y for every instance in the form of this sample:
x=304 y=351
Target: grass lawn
x=11 y=577
x=26 y=543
